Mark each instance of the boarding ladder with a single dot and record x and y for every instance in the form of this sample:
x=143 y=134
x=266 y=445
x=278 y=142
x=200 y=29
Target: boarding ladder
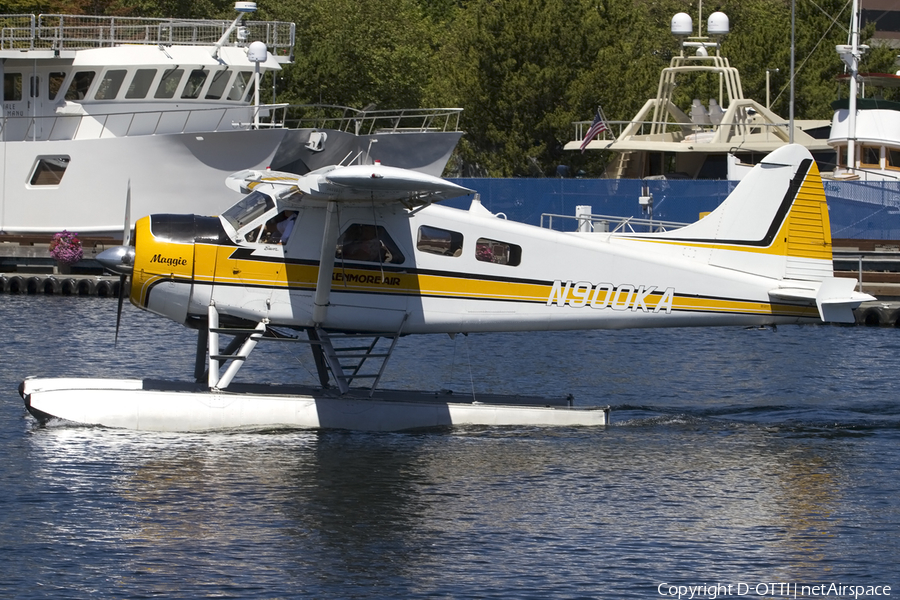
x=345 y=354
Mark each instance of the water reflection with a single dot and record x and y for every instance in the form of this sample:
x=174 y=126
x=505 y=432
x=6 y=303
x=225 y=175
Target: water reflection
x=714 y=468
x=420 y=514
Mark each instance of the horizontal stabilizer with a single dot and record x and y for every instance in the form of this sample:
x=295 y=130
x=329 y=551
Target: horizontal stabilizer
x=835 y=298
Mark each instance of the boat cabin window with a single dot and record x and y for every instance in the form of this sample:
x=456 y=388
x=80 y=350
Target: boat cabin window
x=110 y=84
x=169 y=83
x=241 y=83
x=893 y=159
x=54 y=84
x=140 y=83
x=81 y=83
x=219 y=84
x=500 y=253
x=49 y=170
x=870 y=156
x=12 y=87
x=35 y=90
x=368 y=243
x=248 y=209
x=439 y=241
x=194 y=84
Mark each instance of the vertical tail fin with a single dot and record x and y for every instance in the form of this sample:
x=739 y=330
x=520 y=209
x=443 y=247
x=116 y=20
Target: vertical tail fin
x=775 y=222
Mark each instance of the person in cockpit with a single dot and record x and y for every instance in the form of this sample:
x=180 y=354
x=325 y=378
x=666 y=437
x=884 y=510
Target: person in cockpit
x=286 y=227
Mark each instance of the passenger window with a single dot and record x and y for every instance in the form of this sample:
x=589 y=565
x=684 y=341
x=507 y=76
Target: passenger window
x=439 y=241
x=12 y=87
x=140 y=84
x=54 y=84
x=194 y=84
x=500 y=253
x=368 y=243
x=169 y=83
x=80 y=85
x=218 y=85
x=240 y=85
x=110 y=84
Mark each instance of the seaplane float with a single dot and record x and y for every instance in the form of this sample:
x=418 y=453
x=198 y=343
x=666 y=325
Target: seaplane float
x=350 y=259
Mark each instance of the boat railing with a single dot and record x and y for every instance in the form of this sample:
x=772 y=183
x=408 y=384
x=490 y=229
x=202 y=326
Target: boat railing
x=674 y=131
x=154 y=122
x=369 y=121
x=587 y=223
x=79 y=32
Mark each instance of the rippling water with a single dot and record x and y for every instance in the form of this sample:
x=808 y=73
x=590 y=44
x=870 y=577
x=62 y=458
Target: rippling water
x=734 y=456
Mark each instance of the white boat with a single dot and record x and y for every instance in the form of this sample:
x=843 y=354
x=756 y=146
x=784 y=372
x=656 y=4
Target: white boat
x=876 y=133
x=171 y=106
x=865 y=132
x=721 y=139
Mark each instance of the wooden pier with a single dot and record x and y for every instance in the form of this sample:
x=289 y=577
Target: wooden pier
x=26 y=267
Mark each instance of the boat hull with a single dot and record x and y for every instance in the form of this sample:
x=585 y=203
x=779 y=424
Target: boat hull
x=181 y=407
x=166 y=173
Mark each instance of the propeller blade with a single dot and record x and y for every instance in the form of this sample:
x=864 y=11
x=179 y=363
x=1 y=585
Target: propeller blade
x=125 y=256
x=123 y=279
x=126 y=233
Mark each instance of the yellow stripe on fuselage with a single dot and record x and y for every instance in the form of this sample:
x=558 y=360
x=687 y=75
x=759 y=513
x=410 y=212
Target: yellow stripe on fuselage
x=161 y=260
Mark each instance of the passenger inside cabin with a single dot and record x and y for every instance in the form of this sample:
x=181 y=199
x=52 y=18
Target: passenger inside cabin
x=361 y=242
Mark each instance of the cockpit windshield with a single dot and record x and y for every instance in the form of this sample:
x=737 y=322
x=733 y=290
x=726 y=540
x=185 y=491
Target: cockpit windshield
x=248 y=209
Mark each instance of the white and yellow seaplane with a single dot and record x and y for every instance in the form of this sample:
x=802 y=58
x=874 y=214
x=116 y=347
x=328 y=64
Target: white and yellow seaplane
x=365 y=252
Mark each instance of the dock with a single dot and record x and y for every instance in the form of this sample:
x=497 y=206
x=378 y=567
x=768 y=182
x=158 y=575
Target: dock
x=26 y=267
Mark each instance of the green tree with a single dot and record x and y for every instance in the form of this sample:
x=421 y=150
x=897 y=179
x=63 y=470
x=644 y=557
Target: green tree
x=358 y=52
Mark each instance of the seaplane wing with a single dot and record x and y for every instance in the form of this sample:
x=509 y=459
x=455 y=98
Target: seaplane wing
x=351 y=251
x=356 y=183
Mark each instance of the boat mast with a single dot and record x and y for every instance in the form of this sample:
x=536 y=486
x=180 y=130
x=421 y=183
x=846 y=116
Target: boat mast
x=793 y=49
x=854 y=75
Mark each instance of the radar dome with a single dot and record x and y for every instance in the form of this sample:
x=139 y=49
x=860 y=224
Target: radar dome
x=257 y=52
x=682 y=24
x=717 y=24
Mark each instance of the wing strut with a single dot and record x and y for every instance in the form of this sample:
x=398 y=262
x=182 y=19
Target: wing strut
x=326 y=265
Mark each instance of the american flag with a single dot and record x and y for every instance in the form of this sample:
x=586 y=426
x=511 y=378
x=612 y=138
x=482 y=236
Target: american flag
x=597 y=126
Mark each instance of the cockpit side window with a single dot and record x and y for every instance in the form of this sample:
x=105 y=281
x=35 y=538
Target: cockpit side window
x=279 y=228
x=250 y=208
x=368 y=243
